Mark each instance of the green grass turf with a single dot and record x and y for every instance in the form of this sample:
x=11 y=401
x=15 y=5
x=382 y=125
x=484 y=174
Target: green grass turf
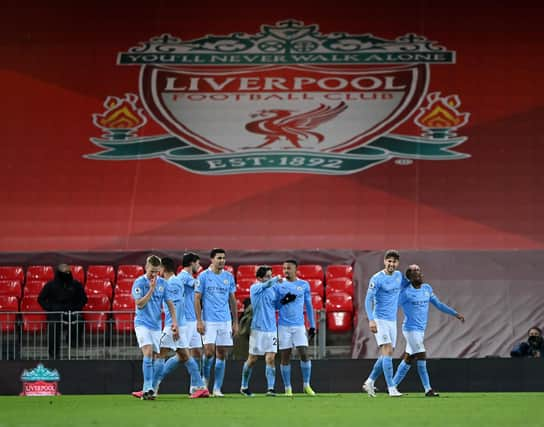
x=451 y=409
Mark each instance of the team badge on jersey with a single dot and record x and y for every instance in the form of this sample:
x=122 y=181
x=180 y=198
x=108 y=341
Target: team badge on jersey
x=226 y=282
x=286 y=99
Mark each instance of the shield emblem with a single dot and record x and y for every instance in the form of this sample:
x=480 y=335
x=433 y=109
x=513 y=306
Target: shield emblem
x=329 y=108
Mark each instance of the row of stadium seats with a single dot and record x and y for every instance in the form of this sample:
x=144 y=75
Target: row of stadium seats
x=129 y=271
x=101 y=283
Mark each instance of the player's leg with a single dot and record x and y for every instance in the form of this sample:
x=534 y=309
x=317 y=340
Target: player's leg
x=183 y=356
x=246 y=372
x=270 y=373
x=403 y=368
x=305 y=369
x=285 y=346
x=147 y=345
x=421 y=363
x=209 y=340
x=388 y=340
x=223 y=343
x=159 y=363
x=195 y=348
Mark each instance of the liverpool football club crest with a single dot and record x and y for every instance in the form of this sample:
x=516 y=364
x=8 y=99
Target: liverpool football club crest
x=287 y=99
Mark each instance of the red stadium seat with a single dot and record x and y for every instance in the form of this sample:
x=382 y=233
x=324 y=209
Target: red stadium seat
x=8 y=303
x=310 y=271
x=339 y=321
x=96 y=313
x=277 y=270
x=317 y=302
x=242 y=296
x=12 y=273
x=246 y=271
x=339 y=284
x=129 y=271
x=123 y=308
x=34 y=287
x=243 y=285
x=78 y=273
x=104 y=272
x=33 y=314
x=11 y=288
x=124 y=286
x=99 y=287
x=40 y=272
x=339 y=301
x=335 y=271
x=240 y=306
x=316 y=286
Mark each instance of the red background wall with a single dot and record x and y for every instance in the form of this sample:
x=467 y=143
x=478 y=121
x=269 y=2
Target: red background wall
x=58 y=66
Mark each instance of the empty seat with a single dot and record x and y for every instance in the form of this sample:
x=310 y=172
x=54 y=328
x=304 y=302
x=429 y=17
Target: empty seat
x=40 y=272
x=123 y=308
x=243 y=285
x=9 y=306
x=339 y=301
x=246 y=271
x=34 y=287
x=339 y=270
x=34 y=319
x=96 y=313
x=99 y=287
x=339 y=284
x=310 y=271
x=11 y=288
x=106 y=272
x=129 y=271
x=12 y=273
x=339 y=321
x=317 y=304
x=316 y=287
x=277 y=270
x=124 y=286
x=78 y=273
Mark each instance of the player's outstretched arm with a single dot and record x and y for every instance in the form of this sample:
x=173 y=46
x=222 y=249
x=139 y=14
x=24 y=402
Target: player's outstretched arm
x=442 y=307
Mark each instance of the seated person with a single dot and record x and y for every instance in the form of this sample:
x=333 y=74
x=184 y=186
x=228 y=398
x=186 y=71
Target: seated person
x=534 y=347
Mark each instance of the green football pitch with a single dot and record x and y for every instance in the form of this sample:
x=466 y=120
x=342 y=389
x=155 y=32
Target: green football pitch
x=450 y=409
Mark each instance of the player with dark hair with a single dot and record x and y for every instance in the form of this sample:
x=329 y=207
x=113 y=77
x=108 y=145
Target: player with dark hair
x=263 y=339
x=214 y=295
x=291 y=329
x=414 y=301
x=381 y=306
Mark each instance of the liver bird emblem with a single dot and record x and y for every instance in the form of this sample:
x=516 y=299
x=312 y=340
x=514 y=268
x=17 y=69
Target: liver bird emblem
x=291 y=125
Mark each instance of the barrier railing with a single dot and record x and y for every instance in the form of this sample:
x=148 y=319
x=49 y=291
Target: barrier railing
x=106 y=335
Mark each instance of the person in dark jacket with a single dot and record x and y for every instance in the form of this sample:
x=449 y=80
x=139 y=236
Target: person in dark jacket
x=61 y=295
x=534 y=347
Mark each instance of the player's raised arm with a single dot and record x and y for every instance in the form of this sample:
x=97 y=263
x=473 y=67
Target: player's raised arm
x=137 y=290
x=443 y=307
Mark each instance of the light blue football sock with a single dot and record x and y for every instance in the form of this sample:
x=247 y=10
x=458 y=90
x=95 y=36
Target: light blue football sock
x=377 y=369
x=424 y=374
x=270 y=372
x=147 y=370
x=306 y=369
x=402 y=370
x=194 y=373
x=219 y=374
x=158 y=367
x=286 y=375
x=388 y=370
x=246 y=374
x=207 y=369
x=171 y=364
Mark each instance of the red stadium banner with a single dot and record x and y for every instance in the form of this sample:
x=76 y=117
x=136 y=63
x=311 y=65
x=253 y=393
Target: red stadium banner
x=296 y=126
